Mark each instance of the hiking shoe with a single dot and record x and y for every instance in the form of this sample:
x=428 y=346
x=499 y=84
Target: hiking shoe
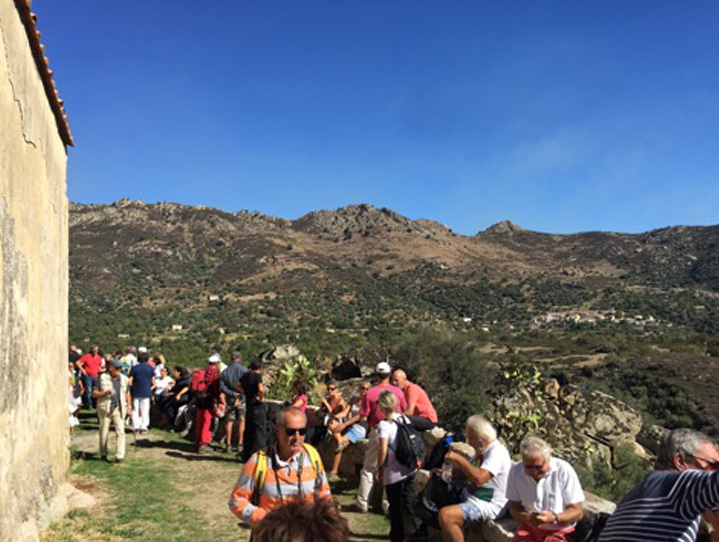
x=203 y=449
x=240 y=448
x=119 y=460
x=224 y=448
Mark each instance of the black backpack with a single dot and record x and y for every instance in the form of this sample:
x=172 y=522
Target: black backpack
x=408 y=444
x=437 y=494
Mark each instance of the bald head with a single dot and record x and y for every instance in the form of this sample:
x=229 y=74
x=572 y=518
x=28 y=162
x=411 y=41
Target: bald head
x=399 y=379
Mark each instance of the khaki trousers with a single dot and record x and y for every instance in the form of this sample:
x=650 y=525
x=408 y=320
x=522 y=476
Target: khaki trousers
x=117 y=420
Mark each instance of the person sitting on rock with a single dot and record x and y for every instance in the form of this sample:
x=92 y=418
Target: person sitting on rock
x=419 y=410
x=486 y=475
x=350 y=430
x=667 y=505
x=544 y=493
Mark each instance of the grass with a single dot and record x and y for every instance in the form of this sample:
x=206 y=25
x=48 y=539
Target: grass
x=164 y=492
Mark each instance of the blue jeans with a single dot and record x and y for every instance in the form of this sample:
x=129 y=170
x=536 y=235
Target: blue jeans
x=90 y=382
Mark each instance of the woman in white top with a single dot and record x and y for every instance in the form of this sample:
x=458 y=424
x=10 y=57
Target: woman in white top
x=163 y=384
x=397 y=478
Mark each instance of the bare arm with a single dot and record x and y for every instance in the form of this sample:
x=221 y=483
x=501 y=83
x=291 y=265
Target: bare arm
x=382 y=451
x=260 y=393
x=411 y=408
x=476 y=475
x=346 y=408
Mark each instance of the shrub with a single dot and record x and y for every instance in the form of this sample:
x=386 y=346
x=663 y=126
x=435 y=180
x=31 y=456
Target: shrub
x=450 y=369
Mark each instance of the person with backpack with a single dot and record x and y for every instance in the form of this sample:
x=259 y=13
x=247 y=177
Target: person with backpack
x=397 y=464
x=205 y=390
x=371 y=413
x=485 y=476
x=290 y=470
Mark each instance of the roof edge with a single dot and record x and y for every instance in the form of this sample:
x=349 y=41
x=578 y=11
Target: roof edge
x=29 y=21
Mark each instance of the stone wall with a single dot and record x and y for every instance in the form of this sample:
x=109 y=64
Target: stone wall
x=33 y=291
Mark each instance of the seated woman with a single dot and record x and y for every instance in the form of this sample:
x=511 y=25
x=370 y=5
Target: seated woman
x=544 y=494
x=299 y=395
x=334 y=405
x=349 y=431
x=178 y=395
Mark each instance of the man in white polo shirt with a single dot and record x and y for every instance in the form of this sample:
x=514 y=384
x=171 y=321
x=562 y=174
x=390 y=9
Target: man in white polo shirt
x=486 y=475
x=544 y=494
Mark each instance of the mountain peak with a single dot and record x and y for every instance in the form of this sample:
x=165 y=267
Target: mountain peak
x=504 y=227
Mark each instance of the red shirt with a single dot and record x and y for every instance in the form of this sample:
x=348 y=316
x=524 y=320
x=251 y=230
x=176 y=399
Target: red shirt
x=91 y=363
x=423 y=406
x=369 y=406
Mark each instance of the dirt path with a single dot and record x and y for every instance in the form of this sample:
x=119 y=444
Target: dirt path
x=165 y=492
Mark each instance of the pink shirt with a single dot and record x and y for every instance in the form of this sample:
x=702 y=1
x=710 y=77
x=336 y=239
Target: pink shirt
x=369 y=406
x=303 y=402
x=423 y=406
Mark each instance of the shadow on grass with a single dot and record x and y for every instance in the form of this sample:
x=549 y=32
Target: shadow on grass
x=204 y=457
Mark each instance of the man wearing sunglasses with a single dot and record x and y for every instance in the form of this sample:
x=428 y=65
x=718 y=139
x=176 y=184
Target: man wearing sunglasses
x=288 y=471
x=544 y=493
x=667 y=505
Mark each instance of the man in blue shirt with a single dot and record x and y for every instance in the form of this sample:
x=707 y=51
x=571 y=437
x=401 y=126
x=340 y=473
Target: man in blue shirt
x=142 y=379
x=233 y=399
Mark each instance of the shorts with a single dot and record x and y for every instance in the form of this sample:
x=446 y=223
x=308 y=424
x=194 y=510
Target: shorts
x=355 y=433
x=237 y=413
x=474 y=510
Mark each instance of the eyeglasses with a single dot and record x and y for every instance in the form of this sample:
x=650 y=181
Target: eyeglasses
x=364 y=388
x=292 y=431
x=535 y=468
x=331 y=388
x=710 y=464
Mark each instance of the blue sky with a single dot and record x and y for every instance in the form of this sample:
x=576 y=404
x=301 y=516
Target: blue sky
x=561 y=116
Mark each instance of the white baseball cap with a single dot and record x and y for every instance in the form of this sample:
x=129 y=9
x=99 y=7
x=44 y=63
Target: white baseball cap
x=383 y=368
x=215 y=358
x=142 y=350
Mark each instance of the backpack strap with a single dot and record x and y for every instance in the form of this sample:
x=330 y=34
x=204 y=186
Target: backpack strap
x=316 y=461
x=259 y=476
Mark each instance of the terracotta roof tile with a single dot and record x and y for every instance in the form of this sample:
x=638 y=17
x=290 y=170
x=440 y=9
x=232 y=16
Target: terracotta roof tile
x=29 y=21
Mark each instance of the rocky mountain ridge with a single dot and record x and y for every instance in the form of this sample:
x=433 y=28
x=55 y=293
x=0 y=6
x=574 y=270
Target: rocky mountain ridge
x=386 y=243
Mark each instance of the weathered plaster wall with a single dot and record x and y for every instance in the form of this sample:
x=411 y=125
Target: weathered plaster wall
x=33 y=291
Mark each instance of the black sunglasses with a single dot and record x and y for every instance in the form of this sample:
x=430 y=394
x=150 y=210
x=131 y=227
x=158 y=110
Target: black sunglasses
x=331 y=388
x=292 y=431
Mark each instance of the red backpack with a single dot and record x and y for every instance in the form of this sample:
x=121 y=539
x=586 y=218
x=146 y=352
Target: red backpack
x=203 y=382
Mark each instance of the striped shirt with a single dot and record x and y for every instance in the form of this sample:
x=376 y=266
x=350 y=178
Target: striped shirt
x=665 y=507
x=284 y=483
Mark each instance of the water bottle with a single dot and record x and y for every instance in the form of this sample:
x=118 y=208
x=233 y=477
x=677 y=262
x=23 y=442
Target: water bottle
x=446 y=471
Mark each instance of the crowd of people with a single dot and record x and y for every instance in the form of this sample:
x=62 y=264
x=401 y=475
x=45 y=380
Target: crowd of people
x=283 y=477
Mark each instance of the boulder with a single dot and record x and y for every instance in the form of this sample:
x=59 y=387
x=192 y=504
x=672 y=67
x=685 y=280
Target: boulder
x=650 y=436
x=280 y=353
x=604 y=417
